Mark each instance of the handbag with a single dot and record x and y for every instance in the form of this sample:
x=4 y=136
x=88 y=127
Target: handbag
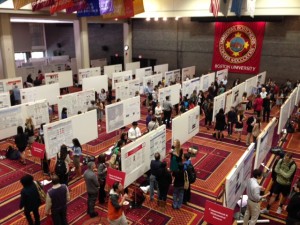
x=186 y=181
x=41 y=192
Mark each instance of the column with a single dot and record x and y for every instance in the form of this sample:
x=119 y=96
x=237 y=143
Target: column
x=7 y=65
x=127 y=35
x=81 y=39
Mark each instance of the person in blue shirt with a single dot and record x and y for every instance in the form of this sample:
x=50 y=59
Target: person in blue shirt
x=64 y=113
x=17 y=95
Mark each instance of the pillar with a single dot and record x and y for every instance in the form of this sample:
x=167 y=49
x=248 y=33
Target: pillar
x=127 y=35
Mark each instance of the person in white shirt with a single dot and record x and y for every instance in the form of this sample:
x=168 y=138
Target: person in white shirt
x=225 y=81
x=158 y=112
x=263 y=93
x=134 y=132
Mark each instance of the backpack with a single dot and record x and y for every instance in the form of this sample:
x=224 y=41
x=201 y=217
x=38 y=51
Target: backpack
x=12 y=153
x=191 y=173
x=60 y=167
x=290 y=165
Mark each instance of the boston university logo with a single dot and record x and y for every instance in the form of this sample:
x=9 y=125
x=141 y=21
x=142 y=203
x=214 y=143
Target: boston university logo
x=237 y=44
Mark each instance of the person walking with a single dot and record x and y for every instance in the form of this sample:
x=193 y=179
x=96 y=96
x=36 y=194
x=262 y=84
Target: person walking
x=154 y=168
x=30 y=200
x=115 y=212
x=254 y=197
x=56 y=202
x=92 y=186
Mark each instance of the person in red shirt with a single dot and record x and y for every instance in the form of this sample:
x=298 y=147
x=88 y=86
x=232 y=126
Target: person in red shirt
x=258 y=105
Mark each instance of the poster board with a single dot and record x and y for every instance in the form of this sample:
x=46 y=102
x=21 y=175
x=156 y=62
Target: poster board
x=189 y=86
x=136 y=156
x=221 y=74
x=143 y=72
x=228 y=101
x=206 y=81
x=88 y=72
x=284 y=115
x=161 y=68
x=49 y=92
x=96 y=83
x=4 y=100
x=8 y=84
x=14 y=116
x=251 y=85
x=153 y=79
x=297 y=100
x=127 y=89
x=293 y=97
x=120 y=77
x=83 y=126
x=264 y=142
x=133 y=66
x=261 y=77
x=219 y=103
x=188 y=73
x=122 y=113
x=235 y=184
x=64 y=78
x=109 y=70
x=172 y=77
x=173 y=91
x=237 y=94
x=186 y=126
x=99 y=62
x=74 y=102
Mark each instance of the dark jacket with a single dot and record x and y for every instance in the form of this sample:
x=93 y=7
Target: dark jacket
x=250 y=120
x=179 y=178
x=163 y=178
x=30 y=198
x=220 y=122
x=21 y=142
x=267 y=104
x=231 y=116
x=293 y=207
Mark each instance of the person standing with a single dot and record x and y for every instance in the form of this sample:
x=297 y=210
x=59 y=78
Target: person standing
x=176 y=155
x=29 y=131
x=208 y=115
x=134 y=132
x=178 y=187
x=258 y=104
x=92 y=186
x=154 y=168
x=250 y=124
x=256 y=130
x=115 y=213
x=21 y=141
x=231 y=120
x=220 y=124
x=17 y=95
x=158 y=113
x=102 y=173
x=64 y=113
x=56 y=202
x=164 y=180
x=77 y=153
x=254 y=197
x=167 y=109
x=266 y=108
x=293 y=208
x=285 y=170
x=30 y=200
x=153 y=124
x=187 y=192
x=239 y=124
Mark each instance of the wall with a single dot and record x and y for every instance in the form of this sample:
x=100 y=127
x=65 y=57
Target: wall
x=184 y=43
x=21 y=37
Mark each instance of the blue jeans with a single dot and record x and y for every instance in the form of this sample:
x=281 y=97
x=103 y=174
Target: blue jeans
x=178 y=197
x=153 y=184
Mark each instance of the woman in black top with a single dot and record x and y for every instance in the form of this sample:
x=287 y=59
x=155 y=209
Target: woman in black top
x=21 y=142
x=30 y=200
x=220 y=124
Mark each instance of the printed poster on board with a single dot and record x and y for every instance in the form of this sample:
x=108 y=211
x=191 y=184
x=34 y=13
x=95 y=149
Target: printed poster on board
x=238 y=46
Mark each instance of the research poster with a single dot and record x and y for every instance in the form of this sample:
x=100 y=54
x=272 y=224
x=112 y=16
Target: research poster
x=58 y=134
x=39 y=112
x=172 y=77
x=219 y=103
x=188 y=73
x=158 y=143
x=193 y=122
x=189 y=86
x=11 y=117
x=221 y=74
x=143 y=72
x=120 y=77
x=172 y=91
x=9 y=84
x=4 y=100
x=228 y=101
x=51 y=78
x=127 y=89
x=153 y=79
x=88 y=72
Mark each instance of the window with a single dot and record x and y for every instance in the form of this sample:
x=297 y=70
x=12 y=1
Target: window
x=20 y=56
x=37 y=55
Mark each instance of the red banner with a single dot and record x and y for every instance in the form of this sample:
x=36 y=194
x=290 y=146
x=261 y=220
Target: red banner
x=238 y=46
x=39 y=4
x=216 y=214
x=38 y=150
x=115 y=175
x=60 y=5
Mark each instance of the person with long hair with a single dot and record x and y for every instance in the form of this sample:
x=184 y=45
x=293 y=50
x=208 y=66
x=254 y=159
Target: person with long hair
x=176 y=155
x=256 y=130
x=220 y=124
x=239 y=124
x=30 y=200
x=21 y=142
x=64 y=113
x=208 y=115
x=29 y=131
x=77 y=153
x=102 y=173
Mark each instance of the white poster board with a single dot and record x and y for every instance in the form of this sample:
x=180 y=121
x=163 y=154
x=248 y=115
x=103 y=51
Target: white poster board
x=297 y=100
x=228 y=101
x=64 y=78
x=96 y=82
x=8 y=84
x=206 y=81
x=261 y=77
x=109 y=70
x=88 y=72
x=4 y=100
x=136 y=156
x=127 y=89
x=186 y=126
x=172 y=77
x=82 y=126
x=75 y=102
x=221 y=74
x=251 y=85
x=188 y=73
x=264 y=142
x=189 y=86
x=122 y=113
x=284 y=115
x=161 y=68
x=12 y=117
x=236 y=180
x=99 y=62
x=120 y=77
x=293 y=97
x=49 y=92
x=143 y=72
x=153 y=79
x=237 y=94
x=172 y=91
x=132 y=66
x=219 y=103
